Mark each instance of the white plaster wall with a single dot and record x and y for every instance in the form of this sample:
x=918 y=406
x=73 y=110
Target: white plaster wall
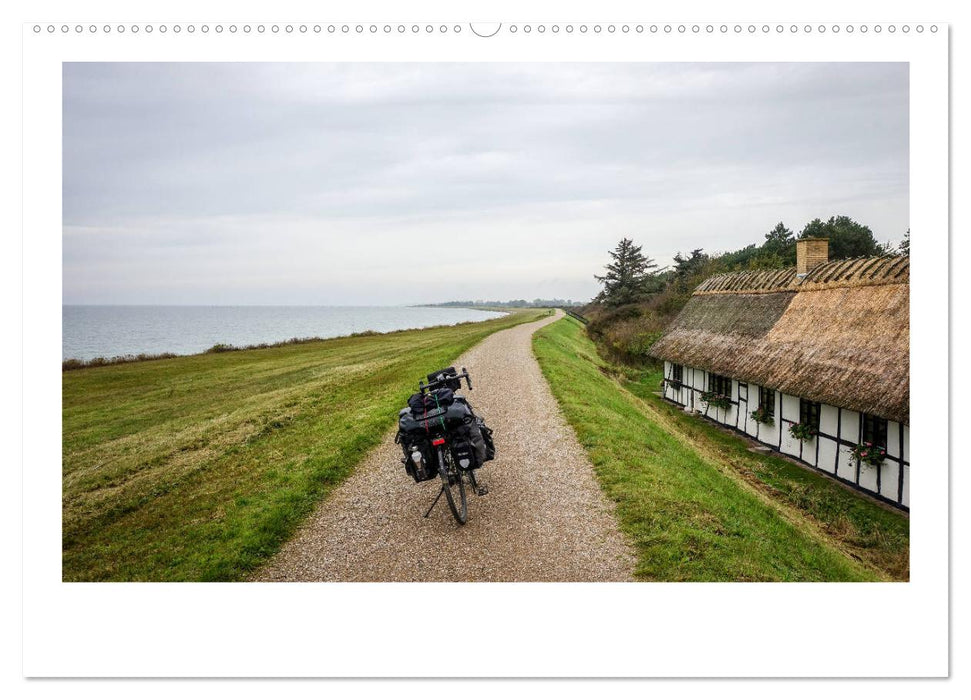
x=828 y=419
x=868 y=476
x=851 y=426
x=790 y=445
x=889 y=485
x=751 y=426
x=809 y=451
x=700 y=380
x=906 y=495
x=906 y=491
x=893 y=438
x=787 y=415
x=827 y=455
x=847 y=465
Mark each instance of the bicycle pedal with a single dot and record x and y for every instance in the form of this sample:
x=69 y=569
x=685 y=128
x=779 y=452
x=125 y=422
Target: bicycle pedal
x=481 y=491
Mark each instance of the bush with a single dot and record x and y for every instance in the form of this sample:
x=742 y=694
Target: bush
x=74 y=363
x=221 y=347
x=626 y=334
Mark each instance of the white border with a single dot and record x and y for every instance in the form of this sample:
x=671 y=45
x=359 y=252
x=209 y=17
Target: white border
x=572 y=630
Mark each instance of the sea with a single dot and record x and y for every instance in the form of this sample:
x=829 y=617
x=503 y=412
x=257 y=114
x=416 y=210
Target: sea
x=111 y=331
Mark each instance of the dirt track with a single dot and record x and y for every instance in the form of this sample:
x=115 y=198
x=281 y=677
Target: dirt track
x=544 y=519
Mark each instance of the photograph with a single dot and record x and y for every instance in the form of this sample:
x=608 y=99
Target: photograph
x=486 y=322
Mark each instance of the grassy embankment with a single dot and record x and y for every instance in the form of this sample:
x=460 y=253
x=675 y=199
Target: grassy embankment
x=199 y=467
x=696 y=504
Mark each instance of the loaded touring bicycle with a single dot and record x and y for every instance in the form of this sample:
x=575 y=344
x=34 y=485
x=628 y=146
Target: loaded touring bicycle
x=440 y=436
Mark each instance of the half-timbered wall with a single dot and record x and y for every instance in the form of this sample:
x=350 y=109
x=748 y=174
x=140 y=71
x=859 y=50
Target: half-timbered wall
x=839 y=430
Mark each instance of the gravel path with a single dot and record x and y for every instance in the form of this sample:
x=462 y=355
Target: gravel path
x=544 y=518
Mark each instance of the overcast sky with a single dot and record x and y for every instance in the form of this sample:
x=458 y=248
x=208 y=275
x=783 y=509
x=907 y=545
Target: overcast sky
x=408 y=183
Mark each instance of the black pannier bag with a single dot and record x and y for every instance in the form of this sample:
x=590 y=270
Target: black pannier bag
x=489 y=447
x=415 y=445
x=463 y=451
x=472 y=444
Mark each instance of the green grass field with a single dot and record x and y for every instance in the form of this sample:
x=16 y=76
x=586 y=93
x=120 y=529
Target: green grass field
x=696 y=504
x=198 y=468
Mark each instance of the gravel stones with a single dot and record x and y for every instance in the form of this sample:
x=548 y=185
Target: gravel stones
x=544 y=518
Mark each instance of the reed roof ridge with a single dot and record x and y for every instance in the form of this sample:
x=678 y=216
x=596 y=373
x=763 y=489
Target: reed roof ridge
x=890 y=268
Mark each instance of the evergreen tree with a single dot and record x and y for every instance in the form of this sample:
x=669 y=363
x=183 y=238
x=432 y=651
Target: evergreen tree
x=687 y=267
x=847 y=238
x=905 y=244
x=628 y=275
x=780 y=245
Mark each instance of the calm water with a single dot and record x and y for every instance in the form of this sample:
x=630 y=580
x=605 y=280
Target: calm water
x=107 y=331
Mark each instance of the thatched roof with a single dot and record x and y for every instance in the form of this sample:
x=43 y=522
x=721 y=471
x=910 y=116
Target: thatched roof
x=839 y=335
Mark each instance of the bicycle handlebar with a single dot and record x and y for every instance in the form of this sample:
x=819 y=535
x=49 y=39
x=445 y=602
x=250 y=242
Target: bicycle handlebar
x=422 y=387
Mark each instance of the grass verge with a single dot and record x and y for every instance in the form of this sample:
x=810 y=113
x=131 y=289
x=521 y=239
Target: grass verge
x=698 y=506
x=197 y=468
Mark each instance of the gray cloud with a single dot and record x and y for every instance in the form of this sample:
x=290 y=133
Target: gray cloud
x=345 y=183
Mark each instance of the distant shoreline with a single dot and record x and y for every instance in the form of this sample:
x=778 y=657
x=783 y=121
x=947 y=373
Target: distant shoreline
x=71 y=364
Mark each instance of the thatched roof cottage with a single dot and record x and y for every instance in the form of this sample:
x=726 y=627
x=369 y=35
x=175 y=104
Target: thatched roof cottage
x=823 y=346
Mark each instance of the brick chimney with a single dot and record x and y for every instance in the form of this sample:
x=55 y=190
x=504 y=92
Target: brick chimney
x=810 y=253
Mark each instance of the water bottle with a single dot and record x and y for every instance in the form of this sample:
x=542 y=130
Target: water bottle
x=416 y=459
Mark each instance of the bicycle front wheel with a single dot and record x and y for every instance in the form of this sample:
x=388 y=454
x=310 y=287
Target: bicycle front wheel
x=454 y=487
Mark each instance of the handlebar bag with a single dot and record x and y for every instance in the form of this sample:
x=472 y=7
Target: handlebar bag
x=453 y=384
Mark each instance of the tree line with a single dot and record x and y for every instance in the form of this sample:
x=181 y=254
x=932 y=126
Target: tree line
x=514 y=303
x=632 y=277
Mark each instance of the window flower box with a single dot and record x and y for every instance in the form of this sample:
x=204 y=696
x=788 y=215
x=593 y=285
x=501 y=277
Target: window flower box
x=869 y=453
x=717 y=400
x=802 y=431
x=762 y=415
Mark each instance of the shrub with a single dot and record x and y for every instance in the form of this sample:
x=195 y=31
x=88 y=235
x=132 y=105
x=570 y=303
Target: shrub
x=221 y=347
x=74 y=363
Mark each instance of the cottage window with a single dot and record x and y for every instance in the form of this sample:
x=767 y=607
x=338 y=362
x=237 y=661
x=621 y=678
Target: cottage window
x=875 y=431
x=767 y=401
x=677 y=374
x=809 y=413
x=718 y=384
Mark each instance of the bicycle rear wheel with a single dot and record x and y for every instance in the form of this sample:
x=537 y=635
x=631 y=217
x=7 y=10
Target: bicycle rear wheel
x=454 y=486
